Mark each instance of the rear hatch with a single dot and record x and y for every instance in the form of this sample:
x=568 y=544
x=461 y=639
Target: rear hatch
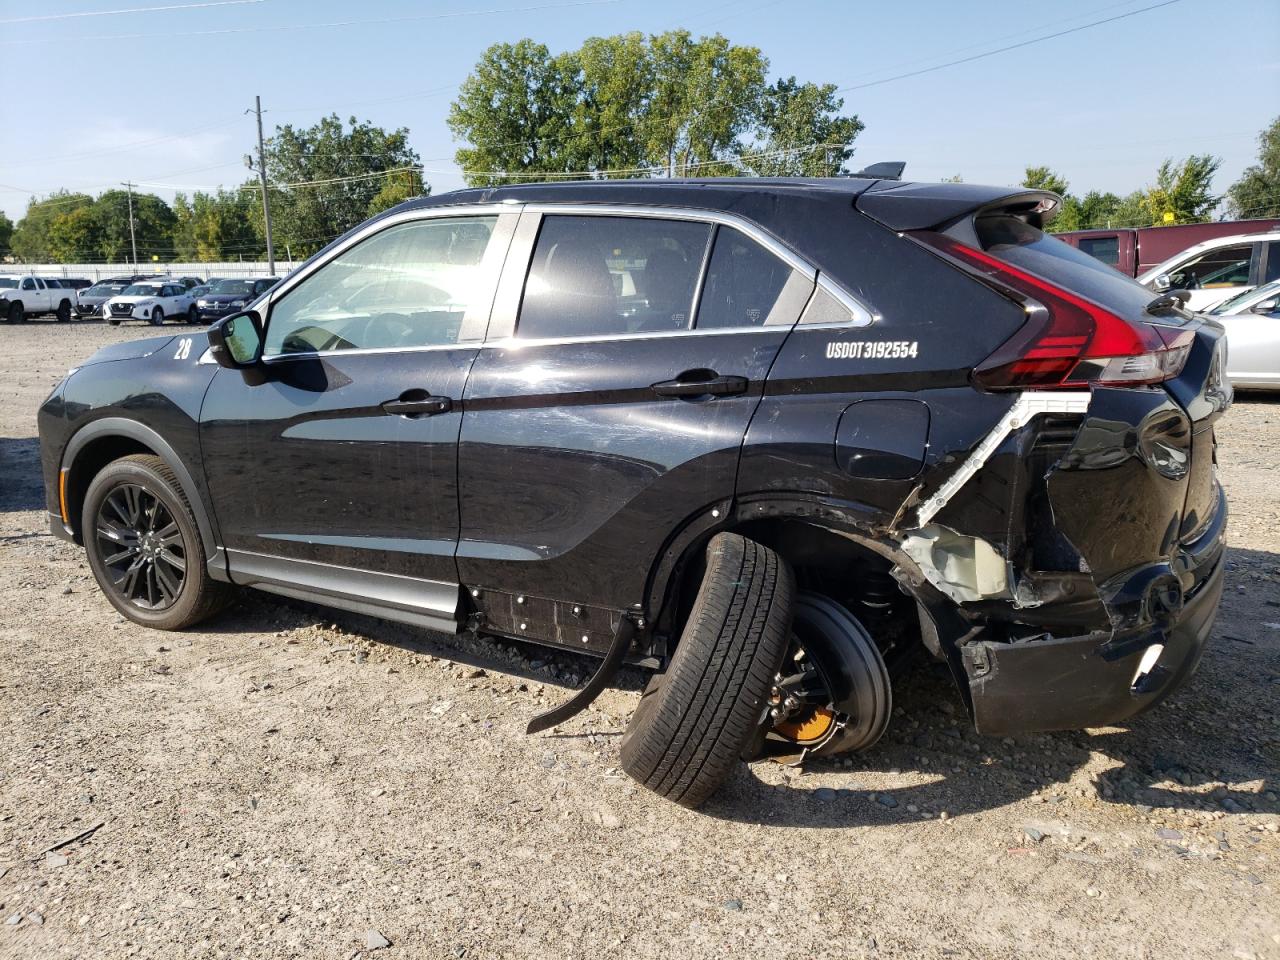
x=1135 y=493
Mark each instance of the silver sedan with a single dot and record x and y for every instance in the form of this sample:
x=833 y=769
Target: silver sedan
x=1252 y=320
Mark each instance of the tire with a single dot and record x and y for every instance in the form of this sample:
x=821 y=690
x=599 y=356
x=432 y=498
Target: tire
x=688 y=733
x=15 y=314
x=114 y=321
x=157 y=317
x=64 y=311
x=193 y=316
x=115 y=541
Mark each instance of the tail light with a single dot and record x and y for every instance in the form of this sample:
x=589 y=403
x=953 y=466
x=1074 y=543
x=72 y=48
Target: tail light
x=1067 y=341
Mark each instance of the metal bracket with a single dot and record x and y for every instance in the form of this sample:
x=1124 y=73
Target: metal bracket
x=1030 y=404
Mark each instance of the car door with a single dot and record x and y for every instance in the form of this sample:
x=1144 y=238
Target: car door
x=1253 y=343
x=339 y=472
x=1215 y=274
x=627 y=353
x=34 y=297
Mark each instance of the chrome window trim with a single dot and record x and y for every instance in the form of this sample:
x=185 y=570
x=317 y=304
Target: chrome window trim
x=513 y=341
x=361 y=351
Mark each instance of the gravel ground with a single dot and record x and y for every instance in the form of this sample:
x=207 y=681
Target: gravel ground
x=293 y=782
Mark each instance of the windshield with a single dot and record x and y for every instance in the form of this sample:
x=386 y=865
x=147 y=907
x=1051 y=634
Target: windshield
x=240 y=288
x=142 y=290
x=8 y=283
x=1261 y=293
x=105 y=289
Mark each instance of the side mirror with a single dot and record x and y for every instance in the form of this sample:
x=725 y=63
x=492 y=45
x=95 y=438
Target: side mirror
x=236 y=341
x=1267 y=306
x=1162 y=283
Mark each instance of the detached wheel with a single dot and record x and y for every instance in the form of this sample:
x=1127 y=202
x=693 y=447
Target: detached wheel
x=144 y=546
x=693 y=721
x=64 y=311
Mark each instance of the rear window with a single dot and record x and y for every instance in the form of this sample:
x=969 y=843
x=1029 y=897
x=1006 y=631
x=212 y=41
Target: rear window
x=1030 y=249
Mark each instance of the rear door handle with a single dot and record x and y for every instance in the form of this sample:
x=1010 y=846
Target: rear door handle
x=700 y=383
x=417 y=403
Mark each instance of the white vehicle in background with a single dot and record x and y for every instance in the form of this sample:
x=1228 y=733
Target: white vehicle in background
x=1219 y=268
x=28 y=296
x=1252 y=320
x=154 y=301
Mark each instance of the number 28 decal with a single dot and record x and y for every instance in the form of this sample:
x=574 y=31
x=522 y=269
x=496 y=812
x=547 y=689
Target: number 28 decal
x=184 y=349
x=872 y=349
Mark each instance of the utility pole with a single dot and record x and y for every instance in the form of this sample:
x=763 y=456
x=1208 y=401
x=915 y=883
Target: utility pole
x=133 y=241
x=262 y=178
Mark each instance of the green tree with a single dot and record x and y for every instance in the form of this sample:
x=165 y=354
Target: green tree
x=323 y=178
x=1182 y=191
x=153 y=223
x=1257 y=192
x=1042 y=178
x=801 y=132
x=216 y=226
x=396 y=189
x=1132 y=211
x=630 y=105
x=75 y=236
x=31 y=241
x=515 y=110
x=6 y=233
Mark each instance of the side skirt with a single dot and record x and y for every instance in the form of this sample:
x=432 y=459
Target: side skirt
x=430 y=604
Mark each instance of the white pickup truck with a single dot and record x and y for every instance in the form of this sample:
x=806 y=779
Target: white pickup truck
x=26 y=296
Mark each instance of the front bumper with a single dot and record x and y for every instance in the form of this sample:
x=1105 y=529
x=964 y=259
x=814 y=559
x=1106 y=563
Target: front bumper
x=216 y=313
x=1099 y=678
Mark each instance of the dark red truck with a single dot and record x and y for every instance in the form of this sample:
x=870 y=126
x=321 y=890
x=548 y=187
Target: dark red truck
x=1133 y=250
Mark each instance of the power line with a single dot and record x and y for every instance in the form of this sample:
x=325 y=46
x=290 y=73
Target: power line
x=278 y=28
x=112 y=13
x=1005 y=49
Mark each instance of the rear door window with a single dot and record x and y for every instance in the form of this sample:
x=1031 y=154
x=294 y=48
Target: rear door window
x=744 y=283
x=609 y=276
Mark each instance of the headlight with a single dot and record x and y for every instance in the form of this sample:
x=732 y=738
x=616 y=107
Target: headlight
x=236 y=303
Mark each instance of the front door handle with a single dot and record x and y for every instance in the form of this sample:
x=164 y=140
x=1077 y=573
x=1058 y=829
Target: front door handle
x=700 y=383
x=417 y=403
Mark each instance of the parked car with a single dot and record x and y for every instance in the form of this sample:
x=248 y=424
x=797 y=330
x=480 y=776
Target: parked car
x=1136 y=250
x=31 y=296
x=1217 y=269
x=228 y=296
x=1252 y=320
x=189 y=282
x=152 y=301
x=199 y=291
x=769 y=438
x=89 y=302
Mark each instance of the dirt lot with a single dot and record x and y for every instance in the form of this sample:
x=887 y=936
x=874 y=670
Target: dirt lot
x=295 y=782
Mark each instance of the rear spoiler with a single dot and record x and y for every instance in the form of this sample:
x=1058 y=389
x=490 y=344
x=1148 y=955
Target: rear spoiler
x=936 y=206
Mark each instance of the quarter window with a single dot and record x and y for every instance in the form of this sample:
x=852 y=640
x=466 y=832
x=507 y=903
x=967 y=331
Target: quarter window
x=411 y=285
x=604 y=276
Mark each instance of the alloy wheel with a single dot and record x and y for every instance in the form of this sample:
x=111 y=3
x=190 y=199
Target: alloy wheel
x=141 y=547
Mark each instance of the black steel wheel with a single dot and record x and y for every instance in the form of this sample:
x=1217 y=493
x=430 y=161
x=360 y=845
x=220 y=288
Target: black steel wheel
x=144 y=545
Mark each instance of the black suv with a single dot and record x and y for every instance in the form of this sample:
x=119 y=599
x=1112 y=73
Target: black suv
x=768 y=438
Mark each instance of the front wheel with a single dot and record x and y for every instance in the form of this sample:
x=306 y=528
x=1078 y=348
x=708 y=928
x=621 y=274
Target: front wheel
x=144 y=545
x=157 y=317
x=16 y=313
x=695 y=720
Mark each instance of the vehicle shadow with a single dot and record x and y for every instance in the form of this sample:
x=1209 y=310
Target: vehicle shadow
x=1210 y=746
x=21 y=486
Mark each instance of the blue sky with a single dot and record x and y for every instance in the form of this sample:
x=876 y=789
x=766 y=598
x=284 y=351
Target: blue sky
x=85 y=107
